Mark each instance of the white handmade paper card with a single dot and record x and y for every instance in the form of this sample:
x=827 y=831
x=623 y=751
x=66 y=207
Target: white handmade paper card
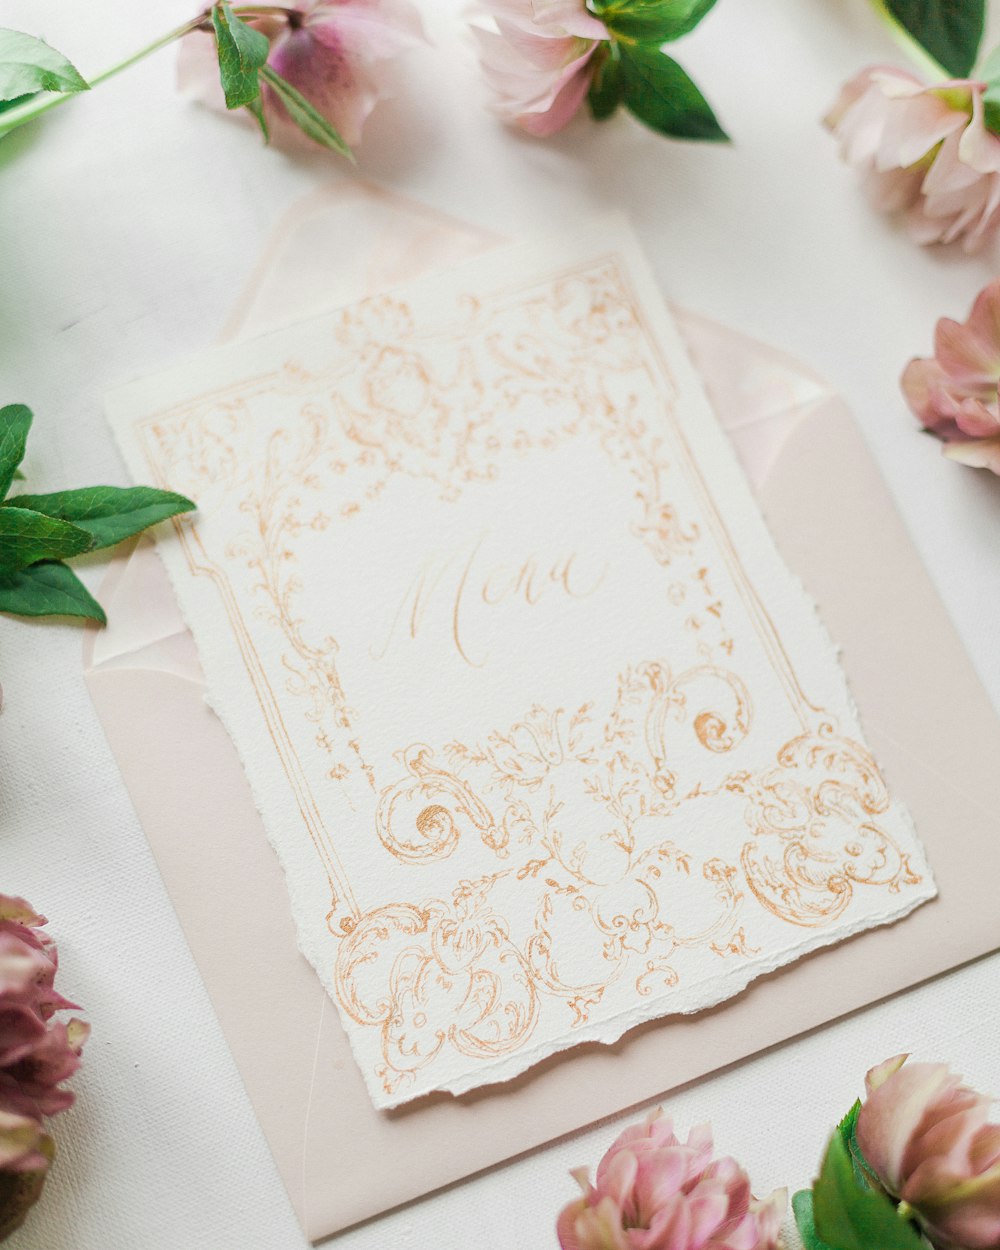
x=547 y=738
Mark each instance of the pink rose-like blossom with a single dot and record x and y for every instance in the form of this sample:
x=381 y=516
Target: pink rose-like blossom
x=926 y=1137
x=538 y=56
x=654 y=1192
x=954 y=392
x=37 y=1053
x=333 y=52
x=926 y=151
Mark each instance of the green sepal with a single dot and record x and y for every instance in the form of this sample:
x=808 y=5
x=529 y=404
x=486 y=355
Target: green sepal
x=850 y=1216
x=27 y=537
x=309 y=120
x=949 y=30
x=651 y=21
x=108 y=514
x=49 y=589
x=605 y=92
x=242 y=52
x=29 y=65
x=15 y=422
x=660 y=94
x=256 y=110
x=990 y=74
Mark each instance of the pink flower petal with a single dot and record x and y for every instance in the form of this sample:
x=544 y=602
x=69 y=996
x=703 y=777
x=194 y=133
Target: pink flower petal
x=891 y=1114
x=984 y=454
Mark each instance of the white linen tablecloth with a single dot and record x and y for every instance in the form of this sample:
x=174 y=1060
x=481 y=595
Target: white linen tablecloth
x=128 y=223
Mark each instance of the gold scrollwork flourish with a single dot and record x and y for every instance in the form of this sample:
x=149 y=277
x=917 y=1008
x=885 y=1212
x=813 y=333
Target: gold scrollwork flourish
x=438 y=976
x=425 y=804
x=817 y=835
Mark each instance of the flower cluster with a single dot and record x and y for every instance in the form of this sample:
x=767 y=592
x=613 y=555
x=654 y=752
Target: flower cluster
x=37 y=1053
x=926 y=151
x=954 y=392
x=322 y=61
x=926 y=1137
x=654 y=1192
x=545 y=58
x=539 y=60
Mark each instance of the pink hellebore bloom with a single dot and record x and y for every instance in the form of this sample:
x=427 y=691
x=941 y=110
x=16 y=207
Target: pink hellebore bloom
x=926 y=151
x=927 y=1138
x=654 y=1192
x=36 y=1051
x=954 y=393
x=332 y=52
x=539 y=59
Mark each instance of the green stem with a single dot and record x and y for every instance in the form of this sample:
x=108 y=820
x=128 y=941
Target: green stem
x=47 y=100
x=933 y=69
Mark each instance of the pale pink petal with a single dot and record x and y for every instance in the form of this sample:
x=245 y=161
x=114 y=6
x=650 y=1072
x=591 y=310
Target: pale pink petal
x=968 y=359
x=984 y=454
x=562 y=109
x=892 y=1113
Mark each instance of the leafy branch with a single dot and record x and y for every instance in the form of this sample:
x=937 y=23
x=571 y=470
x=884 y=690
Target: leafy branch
x=38 y=533
x=35 y=78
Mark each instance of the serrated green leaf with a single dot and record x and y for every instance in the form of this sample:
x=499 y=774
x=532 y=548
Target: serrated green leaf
x=950 y=30
x=242 y=53
x=28 y=65
x=309 y=120
x=652 y=21
x=49 y=589
x=849 y=1216
x=802 y=1208
x=660 y=94
x=605 y=91
x=108 y=513
x=26 y=537
x=256 y=110
x=15 y=422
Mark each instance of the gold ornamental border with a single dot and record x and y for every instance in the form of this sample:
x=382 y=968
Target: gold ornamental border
x=200 y=564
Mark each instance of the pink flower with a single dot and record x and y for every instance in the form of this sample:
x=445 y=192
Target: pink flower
x=926 y=1137
x=333 y=52
x=538 y=56
x=954 y=393
x=37 y=1053
x=926 y=151
x=653 y=1192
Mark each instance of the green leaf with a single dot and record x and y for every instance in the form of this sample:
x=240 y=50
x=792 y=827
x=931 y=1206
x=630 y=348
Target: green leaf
x=659 y=92
x=256 y=110
x=18 y=99
x=27 y=536
x=990 y=74
x=802 y=1208
x=28 y=64
x=309 y=120
x=950 y=30
x=15 y=422
x=242 y=53
x=849 y=1216
x=605 y=91
x=652 y=21
x=107 y=513
x=49 y=589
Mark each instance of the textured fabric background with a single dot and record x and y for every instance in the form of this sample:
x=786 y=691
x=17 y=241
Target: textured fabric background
x=128 y=222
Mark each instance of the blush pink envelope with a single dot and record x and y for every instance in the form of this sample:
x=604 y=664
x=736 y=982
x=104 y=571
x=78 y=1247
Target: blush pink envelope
x=925 y=715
